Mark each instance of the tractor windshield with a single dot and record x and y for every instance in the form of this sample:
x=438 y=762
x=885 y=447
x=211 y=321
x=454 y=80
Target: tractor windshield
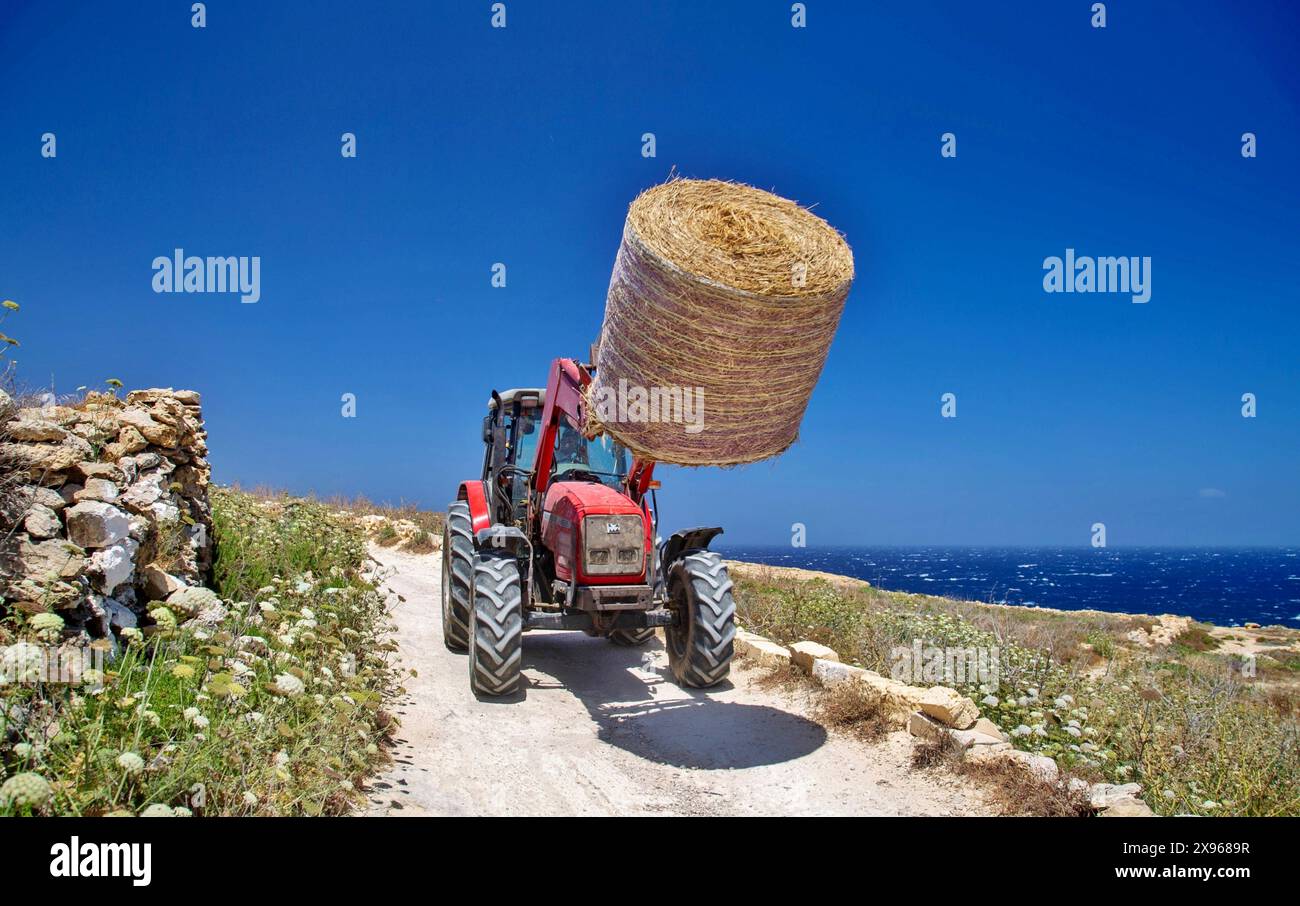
x=602 y=458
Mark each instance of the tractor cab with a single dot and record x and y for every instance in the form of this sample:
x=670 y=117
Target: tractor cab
x=511 y=431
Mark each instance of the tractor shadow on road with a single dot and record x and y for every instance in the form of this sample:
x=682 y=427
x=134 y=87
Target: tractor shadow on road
x=639 y=708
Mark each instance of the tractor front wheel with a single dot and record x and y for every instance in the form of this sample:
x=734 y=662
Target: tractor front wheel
x=700 y=640
x=496 y=626
x=457 y=576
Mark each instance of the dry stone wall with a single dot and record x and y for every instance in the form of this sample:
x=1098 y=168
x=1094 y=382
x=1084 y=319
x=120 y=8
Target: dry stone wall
x=109 y=512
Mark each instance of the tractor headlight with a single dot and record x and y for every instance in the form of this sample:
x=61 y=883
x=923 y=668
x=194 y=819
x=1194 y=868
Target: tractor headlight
x=613 y=546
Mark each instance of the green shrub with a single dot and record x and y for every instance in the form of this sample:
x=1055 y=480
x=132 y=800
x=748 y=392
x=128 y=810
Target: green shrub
x=275 y=710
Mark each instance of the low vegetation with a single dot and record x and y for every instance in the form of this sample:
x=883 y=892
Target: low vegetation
x=271 y=706
x=853 y=710
x=1180 y=719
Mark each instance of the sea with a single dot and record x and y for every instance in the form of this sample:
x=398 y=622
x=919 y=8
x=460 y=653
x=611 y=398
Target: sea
x=1225 y=586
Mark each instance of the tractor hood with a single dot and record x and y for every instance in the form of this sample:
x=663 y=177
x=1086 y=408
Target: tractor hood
x=587 y=546
x=593 y=498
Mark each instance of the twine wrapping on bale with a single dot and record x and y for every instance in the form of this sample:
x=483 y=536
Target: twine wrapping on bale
x=728 y=289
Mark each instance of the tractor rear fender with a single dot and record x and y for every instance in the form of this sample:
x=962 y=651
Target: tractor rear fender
x=475 y=494
x=683 y=542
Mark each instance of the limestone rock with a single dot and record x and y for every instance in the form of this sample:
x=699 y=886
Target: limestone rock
x=1128 y=807
x=119 y=615
x=969 y=738
x=1103 y=795
x=42 y=522
x=97 y=489
x=40 y=459
x=1041 y=766
x=153 y=431
x=144 y=493
x=113 y=566
x=989 y=728
x=32 y=427
x=93 y=523
x=44 y=595
x=763 y=651
x=833 y=673
x=129 y=440
x=43 y=561
x=35 y=495
x=924 y=727
x=949 y=707
x=899 y=698
x=158 y=583
x=804 y=653
x=102 y=470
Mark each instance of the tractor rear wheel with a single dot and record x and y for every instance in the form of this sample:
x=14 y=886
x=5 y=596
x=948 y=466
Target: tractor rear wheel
x=700 y=640
x=457 y=576
x=496 y=626
x=632 y=637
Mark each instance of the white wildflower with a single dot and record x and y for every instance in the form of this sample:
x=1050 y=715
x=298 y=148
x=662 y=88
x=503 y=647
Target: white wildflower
x=290 y=685
x=131 y=763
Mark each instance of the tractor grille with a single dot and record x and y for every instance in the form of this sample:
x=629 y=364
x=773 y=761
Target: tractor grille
x=613 y=546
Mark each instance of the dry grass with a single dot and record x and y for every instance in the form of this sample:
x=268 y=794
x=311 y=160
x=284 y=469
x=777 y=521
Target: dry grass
x=422 y=544
x=1016 y=792
x=929 y=754
x=847 y=707
x=1196 y=638
x=387 y=536
x=1011 y=788
x=786 y=678
x=855 y=710
x=429 y=522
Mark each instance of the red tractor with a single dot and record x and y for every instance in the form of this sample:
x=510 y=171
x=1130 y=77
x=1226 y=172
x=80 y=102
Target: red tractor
x=560 y=533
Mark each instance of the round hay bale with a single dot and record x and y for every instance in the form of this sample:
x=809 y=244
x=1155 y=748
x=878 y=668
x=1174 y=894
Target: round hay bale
x=721 y=309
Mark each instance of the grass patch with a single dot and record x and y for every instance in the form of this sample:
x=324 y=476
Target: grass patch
x=422 y=543
x=943 y=752
x=1017 y=793
x=274 y=710
x=1196 y=638
x=854 y=710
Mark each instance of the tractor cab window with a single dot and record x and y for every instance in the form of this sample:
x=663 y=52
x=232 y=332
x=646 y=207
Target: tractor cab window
x=526 y=434
x=576 y=458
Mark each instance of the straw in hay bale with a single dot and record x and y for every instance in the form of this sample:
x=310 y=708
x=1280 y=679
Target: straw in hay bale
x=729 y=289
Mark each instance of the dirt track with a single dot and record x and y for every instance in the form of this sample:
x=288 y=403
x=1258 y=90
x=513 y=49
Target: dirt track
x=602 y=730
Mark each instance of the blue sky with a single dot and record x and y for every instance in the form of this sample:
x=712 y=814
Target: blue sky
x=522 y=145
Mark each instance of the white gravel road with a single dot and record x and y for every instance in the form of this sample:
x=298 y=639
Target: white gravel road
x=603 y=730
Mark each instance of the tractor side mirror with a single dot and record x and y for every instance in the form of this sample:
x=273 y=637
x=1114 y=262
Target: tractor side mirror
x=487 y=429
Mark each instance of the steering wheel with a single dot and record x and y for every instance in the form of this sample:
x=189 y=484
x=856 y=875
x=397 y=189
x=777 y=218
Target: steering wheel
x=571 y=471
